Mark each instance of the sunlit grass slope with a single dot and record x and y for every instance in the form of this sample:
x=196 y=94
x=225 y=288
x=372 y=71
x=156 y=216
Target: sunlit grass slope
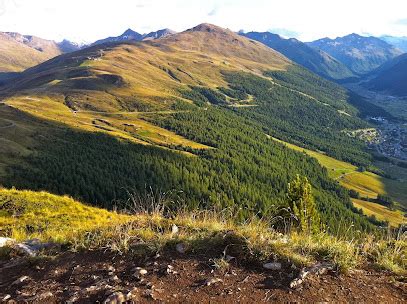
x=122 y=124
x=28 y=214
x=146 y=75
x=109 y=88
x=368 y=184
x=382 y=213
x=16 y=56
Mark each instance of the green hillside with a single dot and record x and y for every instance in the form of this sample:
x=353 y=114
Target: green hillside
x=190 y=115
x=28 y=214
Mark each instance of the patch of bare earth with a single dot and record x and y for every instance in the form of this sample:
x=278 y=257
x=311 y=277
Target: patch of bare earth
x=93 y=276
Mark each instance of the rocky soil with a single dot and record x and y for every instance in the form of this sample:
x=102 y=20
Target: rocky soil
x=104 y=277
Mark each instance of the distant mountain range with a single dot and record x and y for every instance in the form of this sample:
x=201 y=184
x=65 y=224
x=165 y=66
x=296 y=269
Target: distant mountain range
x=130 y=35
x=391 y=77
x=315 y=60
x=360 y=54
x=337 y=59
x=18 y=52
x=398 y=42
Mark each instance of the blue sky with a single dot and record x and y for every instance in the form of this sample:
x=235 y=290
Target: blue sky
x=88 y=20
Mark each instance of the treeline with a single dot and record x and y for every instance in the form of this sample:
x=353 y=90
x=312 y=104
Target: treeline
x=300 y=79
x=300 y=119
x=245 y=171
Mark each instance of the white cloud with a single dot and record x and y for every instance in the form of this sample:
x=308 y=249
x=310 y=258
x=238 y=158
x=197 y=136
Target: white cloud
x=93 y=19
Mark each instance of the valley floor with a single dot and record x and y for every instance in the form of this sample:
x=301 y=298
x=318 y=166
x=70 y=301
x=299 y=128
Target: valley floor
x=92 y=276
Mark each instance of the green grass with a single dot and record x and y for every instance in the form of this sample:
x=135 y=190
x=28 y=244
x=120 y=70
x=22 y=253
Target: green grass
x=27 y=214
x=368 y=184
x=336 y=168
x=381 y=212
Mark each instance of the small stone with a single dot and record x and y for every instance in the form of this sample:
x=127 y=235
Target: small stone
x=115 y=279
x=91 y=288
x=150 y=293
x=212 y=281
x=25 y=249
x=5 y=241
x=170 y=270
x=181 y=248
x=72 y=300
x=273 y=266
x=45 y=295
x=139 y=272
x=111 y=268
x=174 y=229
x=229 y=258
x=132 y=294
x=6 y=297
x=20 y=280
x=115 y=298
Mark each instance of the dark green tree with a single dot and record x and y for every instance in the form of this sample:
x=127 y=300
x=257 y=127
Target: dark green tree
x=302 y=204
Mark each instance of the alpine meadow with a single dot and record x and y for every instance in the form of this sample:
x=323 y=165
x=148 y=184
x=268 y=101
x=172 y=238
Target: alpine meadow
x=243 y=166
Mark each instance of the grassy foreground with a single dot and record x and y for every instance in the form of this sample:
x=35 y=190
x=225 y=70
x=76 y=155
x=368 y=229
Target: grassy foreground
x=26 y=215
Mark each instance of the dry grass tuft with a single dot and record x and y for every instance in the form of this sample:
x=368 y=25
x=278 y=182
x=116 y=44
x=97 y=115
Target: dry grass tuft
x=27 y=214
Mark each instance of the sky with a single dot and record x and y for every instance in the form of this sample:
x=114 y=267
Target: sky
x=89 y=20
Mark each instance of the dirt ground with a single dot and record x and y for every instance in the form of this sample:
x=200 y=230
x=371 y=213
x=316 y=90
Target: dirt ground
x=91 y=277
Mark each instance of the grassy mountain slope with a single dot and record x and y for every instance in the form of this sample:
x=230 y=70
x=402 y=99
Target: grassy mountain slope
x=96 y=106
x=360 y=54
x=391 y=77
x=18 y=52
x=367 y=184
x=316 y=61
x=50 y=217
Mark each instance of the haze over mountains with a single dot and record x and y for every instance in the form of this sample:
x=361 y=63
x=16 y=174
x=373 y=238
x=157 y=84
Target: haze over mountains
x=19 y=52
x=398 y=42
x=360 y=54
x=313 y=59
x=391 y=77
x=130 y=35
x=341 y=58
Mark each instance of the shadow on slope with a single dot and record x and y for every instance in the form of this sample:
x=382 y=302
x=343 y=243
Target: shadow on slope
x=249 y=177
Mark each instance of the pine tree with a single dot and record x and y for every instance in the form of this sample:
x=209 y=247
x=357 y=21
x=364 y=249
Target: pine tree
x=302 y=204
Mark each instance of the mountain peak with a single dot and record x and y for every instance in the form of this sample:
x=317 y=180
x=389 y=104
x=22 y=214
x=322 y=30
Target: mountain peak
x=130 y=32
x=353 y=35
x=207 y=27
x=159 y=34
